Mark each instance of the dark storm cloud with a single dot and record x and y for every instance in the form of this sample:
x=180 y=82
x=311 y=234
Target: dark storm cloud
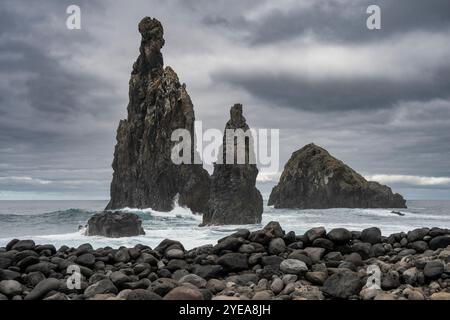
x=337 y=94
x=338 y=21
x=311 y=68
x=48 y=105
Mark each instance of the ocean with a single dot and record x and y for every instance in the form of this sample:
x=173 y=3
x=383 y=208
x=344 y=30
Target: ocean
x=57 y=222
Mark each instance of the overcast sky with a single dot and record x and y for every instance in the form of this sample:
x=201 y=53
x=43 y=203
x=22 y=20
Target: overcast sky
x=378 y=100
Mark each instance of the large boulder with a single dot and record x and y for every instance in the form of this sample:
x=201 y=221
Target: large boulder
x=144 y=174
x=115 y=225
x=313 y=179
x=234 y=198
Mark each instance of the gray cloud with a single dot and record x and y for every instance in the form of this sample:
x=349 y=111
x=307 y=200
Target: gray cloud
x=337 y=21
x=377 y=100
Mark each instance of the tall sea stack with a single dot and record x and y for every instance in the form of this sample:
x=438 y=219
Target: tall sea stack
x=234 y=198
x=144 y=174
x=313 y=179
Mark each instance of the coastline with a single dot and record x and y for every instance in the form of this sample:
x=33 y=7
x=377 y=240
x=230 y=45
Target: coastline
x=260 y=265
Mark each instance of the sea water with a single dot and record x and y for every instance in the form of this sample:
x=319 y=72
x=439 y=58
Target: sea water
x=57 y=222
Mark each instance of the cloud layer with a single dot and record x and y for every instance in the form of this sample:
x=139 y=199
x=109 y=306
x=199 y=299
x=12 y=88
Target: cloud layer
x=378 y=100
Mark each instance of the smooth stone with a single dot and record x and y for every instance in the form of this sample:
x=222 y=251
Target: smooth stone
x=371 y=235
x=433 y=269
x=102 y=287
x=410 y=276
x=87 y=260
x=413 y=294
x=439 y=242
x=22 y=245
x=277 y=285
x=175 y=254
x=215 y=285
x=316 y=277
x=323 y=243
x=142 y=294
x=184 y=293
x=194 y=279
x=342 y=285
x=339 y=235
x=293 y=266
x=417 y=234
x=208 y=271
x=233 y=262
x=440 y=296
x=315 y=233
x=263 y=295
x=315 y=254
x=42 y=288
x=10 y=288
x=277 y=246
x=122 y=255
x=369 y=293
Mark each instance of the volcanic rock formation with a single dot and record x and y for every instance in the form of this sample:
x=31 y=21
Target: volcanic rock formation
x=234 y=198
x=144 y=174
x=313 y=179
x=115 y=225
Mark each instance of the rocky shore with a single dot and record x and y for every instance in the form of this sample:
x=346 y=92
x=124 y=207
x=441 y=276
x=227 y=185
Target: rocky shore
x=259 y=265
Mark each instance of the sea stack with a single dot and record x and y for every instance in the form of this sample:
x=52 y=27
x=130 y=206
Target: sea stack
x=234 y=199
x=144 y=174
x=313 y=179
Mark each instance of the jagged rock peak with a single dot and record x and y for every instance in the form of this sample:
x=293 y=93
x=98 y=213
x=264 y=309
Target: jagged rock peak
x=234 y=198
x=144 y=174
x=152 y=42
x=313 y=179
x=237 y=120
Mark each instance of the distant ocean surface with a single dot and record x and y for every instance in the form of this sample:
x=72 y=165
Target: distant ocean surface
x=56 y=222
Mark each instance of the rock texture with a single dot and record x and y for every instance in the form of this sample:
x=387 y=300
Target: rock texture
x=241 y=266
x=313 y=179
x=114 y=225
x=144 y=175
x=234 y=198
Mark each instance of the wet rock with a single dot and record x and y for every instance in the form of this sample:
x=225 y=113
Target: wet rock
x=339 y=235
x=439 y=242
x=24 y=245
x=115 y=225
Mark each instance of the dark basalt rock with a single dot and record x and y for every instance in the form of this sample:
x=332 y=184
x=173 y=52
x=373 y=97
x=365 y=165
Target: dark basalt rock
x=234 y=198
x=144 y=174
x=115 y=225
x=313 y=179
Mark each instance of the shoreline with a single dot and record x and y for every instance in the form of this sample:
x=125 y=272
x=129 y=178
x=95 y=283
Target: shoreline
x=260 y=265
